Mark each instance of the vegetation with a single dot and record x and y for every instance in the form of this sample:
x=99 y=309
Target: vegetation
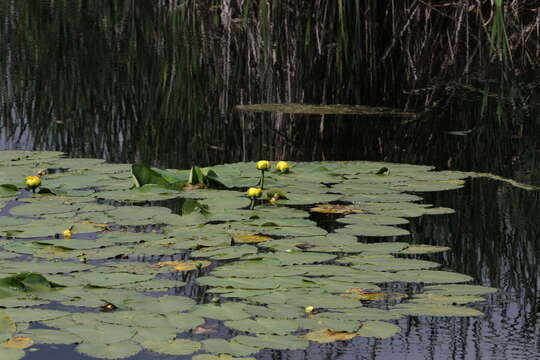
x=167 y=70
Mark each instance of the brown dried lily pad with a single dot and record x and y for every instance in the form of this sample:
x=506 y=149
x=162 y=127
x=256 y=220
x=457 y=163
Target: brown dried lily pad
x=328 y=336
x=337 y=209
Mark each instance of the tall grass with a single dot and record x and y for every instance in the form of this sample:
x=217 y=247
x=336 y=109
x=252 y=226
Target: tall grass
x=157 y=81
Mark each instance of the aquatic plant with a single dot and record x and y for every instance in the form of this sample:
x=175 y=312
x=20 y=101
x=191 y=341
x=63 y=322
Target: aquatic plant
x=33 y=182
x=259 y=265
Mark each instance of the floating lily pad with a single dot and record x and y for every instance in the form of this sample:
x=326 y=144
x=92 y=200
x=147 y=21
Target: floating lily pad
x=117 y=350
x=103 y=333
x=428 y=309
x=50 y=336
x=7 y=326
x=224 y=312
x=183 y=265
x=172 y=347
x=18 y=342
x=431 y=277
x=221 y=346
x=220 y=357
x=272 y=342
x=325 y=109
x=459 y=290
x=247 y=238
x=378 y=329
x=11 y=354
x=264 y=326
x=327 y=336
x=423 y=249
x=224 y=253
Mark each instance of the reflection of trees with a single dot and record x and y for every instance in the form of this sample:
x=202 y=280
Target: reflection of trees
x=495 y=239
x=156 y=81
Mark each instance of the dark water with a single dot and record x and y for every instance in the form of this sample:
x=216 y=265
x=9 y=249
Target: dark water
x=157 y=82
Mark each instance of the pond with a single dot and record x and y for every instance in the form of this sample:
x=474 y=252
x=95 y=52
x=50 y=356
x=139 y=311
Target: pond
x=104 y=84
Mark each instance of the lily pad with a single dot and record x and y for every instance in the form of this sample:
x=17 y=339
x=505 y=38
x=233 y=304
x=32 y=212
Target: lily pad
x=378 y=329
x=172 y=347
x=327 y=336
x=421 y=309
x=264 y=326
x=272 y=342
x=117 y=350
x=221 y=346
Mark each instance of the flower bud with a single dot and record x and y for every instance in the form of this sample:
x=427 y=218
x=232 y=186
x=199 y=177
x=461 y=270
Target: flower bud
x=33 y=182
x=254 y=192
x=263 y=165
x=282 y=166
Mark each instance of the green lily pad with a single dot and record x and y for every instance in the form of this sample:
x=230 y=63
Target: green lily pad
x=272 y=342
x=431 y=277
x=423 y=249
x=50 y=336
x=378 y=329
x=172 y=347
x=428 y=309
x=221 y=346
x=224 y=312
x=7 y=326
x=459 y=290
x=264 y=326
x=11 y=354
x=220 y=357
x=117 y=350
x=103 y=333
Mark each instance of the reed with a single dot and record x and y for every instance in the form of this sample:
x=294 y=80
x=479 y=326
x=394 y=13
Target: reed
x=158 y=80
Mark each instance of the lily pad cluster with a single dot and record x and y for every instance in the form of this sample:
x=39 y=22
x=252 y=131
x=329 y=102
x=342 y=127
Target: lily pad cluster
x=272 y=275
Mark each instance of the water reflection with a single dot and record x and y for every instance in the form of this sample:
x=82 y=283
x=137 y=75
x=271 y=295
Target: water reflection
x=156 y=82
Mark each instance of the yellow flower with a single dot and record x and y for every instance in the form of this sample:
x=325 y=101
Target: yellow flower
x=67 y=234
x=254 y=192
x=282 y=166
x=309 y=309
x=32 y=182
x=263 y=165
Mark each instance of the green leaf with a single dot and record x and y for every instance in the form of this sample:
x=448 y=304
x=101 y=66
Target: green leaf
x=25 y=283
x=144 y=175
x=7 y=326
x=172 y=347
x=428 y=309
x=378 y=329
x=264 y=326
x=459 y=290
x=50 y=336
x=8 y=190
x=117 y=350
x=103 y=333
x=226 y=311
x=222 y=346
x=11 y=354
x=196 y=176
x=272 y=342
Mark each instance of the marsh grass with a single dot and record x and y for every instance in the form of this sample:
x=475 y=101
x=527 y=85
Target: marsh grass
x=157 y=81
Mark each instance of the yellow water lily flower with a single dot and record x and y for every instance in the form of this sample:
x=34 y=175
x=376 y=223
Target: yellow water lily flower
x=254 y=192
x=263 y=165
x=309 y=309
x=67 y=234
x=282 y=166
x=32 y=182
